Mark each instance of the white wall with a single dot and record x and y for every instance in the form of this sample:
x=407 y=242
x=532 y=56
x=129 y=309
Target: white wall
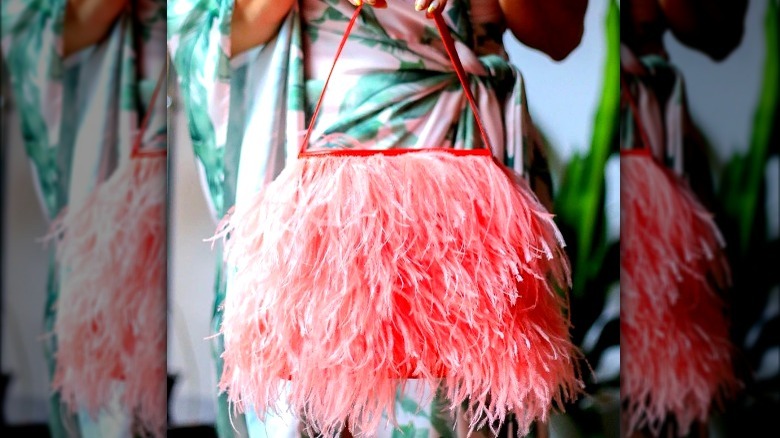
x=192 y=268
x=23 y=282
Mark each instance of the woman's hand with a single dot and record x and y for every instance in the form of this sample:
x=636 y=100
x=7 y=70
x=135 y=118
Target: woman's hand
x=429 y=6
x=256 y=22
x=87 y=22
x=381 y=4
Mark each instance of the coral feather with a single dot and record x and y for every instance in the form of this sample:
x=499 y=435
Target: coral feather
x=351 y=274
x=675 y=347
x=111 y=320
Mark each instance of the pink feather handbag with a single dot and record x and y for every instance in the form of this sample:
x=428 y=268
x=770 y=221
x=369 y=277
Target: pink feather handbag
x=675 y=342
x=355 y=270
x=111 y=318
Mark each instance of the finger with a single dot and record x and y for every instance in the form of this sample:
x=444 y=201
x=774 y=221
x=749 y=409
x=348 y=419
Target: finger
x=420 y=5
x=375 y=3
x=436 y=5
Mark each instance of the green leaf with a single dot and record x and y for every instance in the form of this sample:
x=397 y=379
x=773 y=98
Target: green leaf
x=579 y=202
x=743 y=176
x=439 y=416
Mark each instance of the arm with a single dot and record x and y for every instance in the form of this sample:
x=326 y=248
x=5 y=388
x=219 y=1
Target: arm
x=88 y=21
x=714 y=27
x=553 y=26
x=255 y=22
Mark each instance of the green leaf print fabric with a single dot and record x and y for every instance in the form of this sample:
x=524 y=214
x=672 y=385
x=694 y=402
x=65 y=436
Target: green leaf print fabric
x=393 y=87
x=78 y=117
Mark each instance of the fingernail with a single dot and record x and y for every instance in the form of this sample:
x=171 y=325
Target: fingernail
x=432 y=8
x=419 y=5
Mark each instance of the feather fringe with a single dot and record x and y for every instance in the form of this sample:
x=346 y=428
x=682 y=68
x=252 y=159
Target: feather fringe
x=354 y=273
x=674 y=334
x=111 y=320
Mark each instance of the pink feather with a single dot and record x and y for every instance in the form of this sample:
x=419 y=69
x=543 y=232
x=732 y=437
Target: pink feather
x=111 y=320
x=676 y=352
x=355 y=273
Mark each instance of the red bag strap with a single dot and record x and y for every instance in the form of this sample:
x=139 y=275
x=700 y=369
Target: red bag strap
x=449 y=46
x=137 y=152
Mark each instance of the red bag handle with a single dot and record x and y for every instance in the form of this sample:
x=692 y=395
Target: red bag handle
x=449 y=46
x=137 y=152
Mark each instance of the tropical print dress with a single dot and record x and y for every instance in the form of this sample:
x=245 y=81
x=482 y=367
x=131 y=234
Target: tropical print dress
x=393 y=87
x=79 y=115
x=659 y=90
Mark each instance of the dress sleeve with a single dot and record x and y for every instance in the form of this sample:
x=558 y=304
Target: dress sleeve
x=199 y=46
x=43 y=82
x=227 y=102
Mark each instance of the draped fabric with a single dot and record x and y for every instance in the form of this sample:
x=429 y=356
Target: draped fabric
x=674 y=140
x=79 y=115
x=393 y=87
